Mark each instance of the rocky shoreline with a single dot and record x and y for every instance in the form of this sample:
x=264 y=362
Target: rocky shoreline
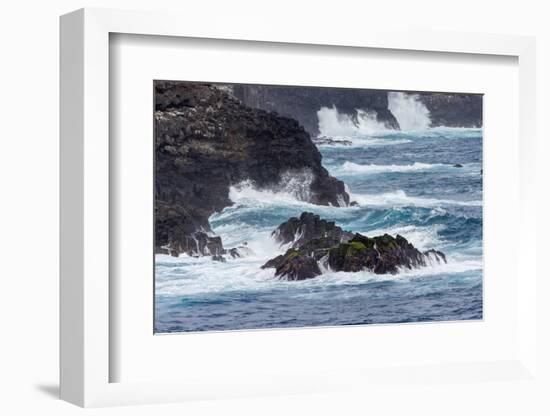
x=207 y=141
x=302 y=104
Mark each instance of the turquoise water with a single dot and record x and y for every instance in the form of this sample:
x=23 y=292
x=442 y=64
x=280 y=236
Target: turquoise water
x=404 y=183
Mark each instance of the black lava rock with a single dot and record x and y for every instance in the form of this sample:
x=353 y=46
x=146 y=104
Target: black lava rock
x=307 y=227
x=322 y=241
x=206 y=141
x=302 y=103
x=294 y=266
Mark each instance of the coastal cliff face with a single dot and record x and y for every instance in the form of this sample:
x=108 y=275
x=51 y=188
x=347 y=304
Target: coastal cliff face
x=207 y=141
x=302 y=103
x=454 y=110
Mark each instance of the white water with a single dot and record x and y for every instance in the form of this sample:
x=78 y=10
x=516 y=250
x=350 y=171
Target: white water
x=293 y=187
x=410 y=112
x=335 y=124
x=205 y=276
x=352 y=168
x=400 y=198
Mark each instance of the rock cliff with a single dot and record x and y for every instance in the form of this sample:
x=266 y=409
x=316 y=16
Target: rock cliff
x=205 y=142
x=302 y=103
x=454 y=110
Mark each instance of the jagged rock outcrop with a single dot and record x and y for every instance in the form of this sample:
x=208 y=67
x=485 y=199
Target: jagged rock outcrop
x=453 y=110
x=322 y=241
x=205 y=142
x=294 y=265
x=381 y=255
x=308 y=227
x=302 y=103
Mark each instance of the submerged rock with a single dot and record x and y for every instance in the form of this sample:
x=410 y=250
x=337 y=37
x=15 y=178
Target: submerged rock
x=322 y=241
x=457 y=165
x=240 y=251
x=219 y=257
x=436 y=256
x=332 y=142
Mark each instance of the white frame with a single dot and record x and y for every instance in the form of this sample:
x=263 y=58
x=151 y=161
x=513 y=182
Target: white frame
x=84 y=201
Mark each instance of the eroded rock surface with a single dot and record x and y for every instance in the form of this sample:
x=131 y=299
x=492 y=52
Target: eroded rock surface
x=207 y=141
x=323 y=242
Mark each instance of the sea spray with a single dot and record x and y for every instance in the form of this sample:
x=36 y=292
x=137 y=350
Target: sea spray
x=400 y=198
x=410 y=112
x=356 y=168
x=332 y=123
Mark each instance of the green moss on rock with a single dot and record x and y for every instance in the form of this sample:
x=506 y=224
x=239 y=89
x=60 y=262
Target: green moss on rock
x=356 y=245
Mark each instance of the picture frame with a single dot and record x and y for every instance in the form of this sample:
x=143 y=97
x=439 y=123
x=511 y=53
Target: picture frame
x=86 y=302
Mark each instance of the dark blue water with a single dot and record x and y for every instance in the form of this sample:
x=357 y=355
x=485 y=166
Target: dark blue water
x=404 y=183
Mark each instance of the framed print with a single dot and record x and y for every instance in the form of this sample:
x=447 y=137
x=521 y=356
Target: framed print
x=319 y=201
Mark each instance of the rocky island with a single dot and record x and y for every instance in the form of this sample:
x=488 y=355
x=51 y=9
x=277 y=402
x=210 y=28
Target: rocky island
x=316 y=244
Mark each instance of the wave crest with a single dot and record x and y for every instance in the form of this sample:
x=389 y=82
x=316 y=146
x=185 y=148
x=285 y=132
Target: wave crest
x=400 y=198
x=294 y=186
x=335 y=124
x=410 y=112
x=351 y=167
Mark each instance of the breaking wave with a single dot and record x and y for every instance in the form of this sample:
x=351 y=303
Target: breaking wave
x=410 y=112
x=293 y=187
x=332 y=123
x=206 y=277
x=400 y=198
x=351 y=168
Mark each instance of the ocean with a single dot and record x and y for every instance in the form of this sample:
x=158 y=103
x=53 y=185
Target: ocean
x=405 y=182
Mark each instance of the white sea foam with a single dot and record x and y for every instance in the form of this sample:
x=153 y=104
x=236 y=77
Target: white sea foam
x=410 y=112
x=247 y=194
x=365 y=142
x=335 y=124
x=293 y=188
x=356 y=168
x=193 y=276
x=400 y=198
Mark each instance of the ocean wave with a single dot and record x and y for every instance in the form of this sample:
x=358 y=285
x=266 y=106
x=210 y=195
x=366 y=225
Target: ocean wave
x=356 y=168
x=400 y=198
x=410 y=112
x=247 y=198
x=364 y=142
x=423 y=238
x=332 y=123
x=188 y=276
